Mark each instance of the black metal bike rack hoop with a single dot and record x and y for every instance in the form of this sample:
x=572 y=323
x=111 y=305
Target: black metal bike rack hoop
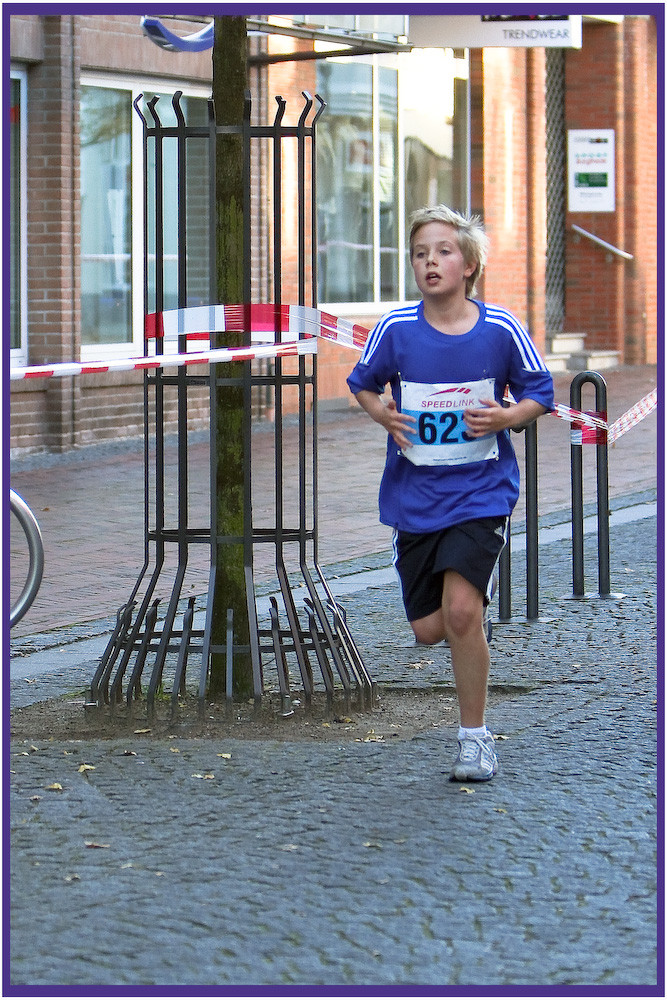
x=602 y=483
x=291 y=636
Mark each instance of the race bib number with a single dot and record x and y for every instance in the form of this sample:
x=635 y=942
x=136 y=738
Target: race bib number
x=440 y=436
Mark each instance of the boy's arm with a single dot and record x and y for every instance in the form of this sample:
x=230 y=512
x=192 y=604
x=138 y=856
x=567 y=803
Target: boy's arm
x=395 y=423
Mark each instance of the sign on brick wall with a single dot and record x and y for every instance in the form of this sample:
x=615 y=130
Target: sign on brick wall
x=467 y=31
x=591 y=174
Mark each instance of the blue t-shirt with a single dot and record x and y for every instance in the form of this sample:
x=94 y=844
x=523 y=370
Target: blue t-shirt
x=440 y=375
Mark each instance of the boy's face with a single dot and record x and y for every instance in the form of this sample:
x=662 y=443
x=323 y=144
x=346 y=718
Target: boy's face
x=439 y=265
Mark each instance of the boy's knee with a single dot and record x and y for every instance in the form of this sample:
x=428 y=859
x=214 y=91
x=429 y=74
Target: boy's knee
x=461 y=618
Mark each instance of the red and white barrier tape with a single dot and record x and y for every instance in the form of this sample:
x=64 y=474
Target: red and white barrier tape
x=277 y=322
x=285 y=330
x=292 y=347
x=633 y=416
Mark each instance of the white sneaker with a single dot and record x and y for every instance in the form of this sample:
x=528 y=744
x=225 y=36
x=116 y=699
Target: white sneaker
x=476 y=759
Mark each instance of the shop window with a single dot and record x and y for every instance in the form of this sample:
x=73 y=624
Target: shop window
x=385 y=148
x=435 y=135
x=17 y=217
x=345 y=194
x=197 y=275
x=112 y=219
x=106 y=213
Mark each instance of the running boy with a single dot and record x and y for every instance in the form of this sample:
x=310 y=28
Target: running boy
x=451 y=478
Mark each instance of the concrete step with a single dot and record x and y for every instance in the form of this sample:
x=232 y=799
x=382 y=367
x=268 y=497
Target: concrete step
x=557 y=363
x=566 y=343
x=586 y=361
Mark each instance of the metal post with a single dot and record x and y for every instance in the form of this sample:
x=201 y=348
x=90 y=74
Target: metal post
x=532 y=544
x=599 y=437
x=505 y=579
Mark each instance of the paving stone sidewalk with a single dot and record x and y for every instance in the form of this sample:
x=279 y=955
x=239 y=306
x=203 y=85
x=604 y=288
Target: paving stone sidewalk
x=307 y=864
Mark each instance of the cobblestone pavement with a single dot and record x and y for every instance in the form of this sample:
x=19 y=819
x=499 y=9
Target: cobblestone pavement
x=304 y=864
x=301 y=864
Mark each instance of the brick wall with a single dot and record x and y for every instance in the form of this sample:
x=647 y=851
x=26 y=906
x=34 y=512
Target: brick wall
x=536 y=174
x=508 y=178
x=612 y=83
x=504 y=178
x=640 y=182
x=594 y=278
x=54 y=223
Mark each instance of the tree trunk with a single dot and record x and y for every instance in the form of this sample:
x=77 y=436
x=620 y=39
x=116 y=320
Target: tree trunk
x=229 y=86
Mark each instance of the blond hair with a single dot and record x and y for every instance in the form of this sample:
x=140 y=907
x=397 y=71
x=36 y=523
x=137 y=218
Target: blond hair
x=473 y=241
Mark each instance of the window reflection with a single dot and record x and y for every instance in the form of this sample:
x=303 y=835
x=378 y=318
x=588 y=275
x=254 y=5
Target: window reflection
x=345 y=183
x=196 y=206
x=362 y=210
x=435 y=135
x=106 y=237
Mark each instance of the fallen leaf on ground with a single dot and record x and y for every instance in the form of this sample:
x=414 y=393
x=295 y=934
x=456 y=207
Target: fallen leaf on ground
x=93 y=843
x=468 y=791
x=371 y=737
x=55 y=787
x=86 y=767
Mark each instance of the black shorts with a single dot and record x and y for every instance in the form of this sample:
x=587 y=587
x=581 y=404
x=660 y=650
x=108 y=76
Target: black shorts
x=472 y=549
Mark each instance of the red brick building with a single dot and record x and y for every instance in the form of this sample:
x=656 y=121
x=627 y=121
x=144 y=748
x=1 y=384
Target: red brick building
x=495 y=142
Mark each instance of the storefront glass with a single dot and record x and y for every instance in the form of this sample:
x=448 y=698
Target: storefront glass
x=106 y=230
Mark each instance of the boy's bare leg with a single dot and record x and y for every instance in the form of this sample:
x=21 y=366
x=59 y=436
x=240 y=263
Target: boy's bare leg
x=463 y=612
x=460 y=619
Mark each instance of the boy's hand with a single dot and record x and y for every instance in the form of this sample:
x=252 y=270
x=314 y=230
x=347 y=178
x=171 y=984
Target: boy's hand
x=398 y=424
x=395 y=423
x=491 y=417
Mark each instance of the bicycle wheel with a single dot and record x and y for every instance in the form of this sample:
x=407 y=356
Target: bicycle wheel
x=28 y=522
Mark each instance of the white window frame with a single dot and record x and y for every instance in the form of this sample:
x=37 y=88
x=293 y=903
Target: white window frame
x=19 y=355
x=135 y=85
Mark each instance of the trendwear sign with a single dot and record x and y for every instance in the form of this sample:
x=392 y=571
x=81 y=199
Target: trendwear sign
x=591 y=170
x=466 y=31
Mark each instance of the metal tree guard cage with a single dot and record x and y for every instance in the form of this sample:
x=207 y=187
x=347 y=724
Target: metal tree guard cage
x=290 y=635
